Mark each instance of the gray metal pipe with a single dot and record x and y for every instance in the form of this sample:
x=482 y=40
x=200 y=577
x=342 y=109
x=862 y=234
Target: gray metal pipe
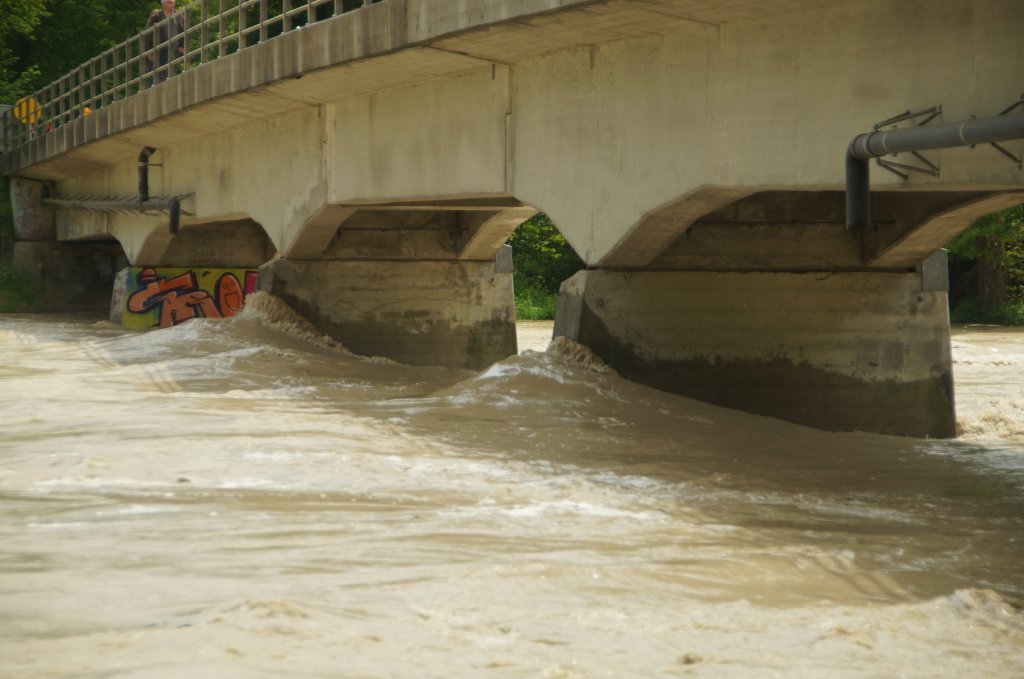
x=174 y=210
x=881 y=143
x=858 y=191
x=144 y=155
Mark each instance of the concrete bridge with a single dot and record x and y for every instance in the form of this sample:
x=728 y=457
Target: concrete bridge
x=373 y=163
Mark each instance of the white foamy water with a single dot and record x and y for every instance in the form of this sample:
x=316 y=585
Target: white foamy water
x=989 y=370
x=243 y=498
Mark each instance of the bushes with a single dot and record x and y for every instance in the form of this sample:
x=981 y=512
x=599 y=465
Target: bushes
x=535 y=304
x=542 y=259
x=969 y=311
x=987 y=270
x=18 y=294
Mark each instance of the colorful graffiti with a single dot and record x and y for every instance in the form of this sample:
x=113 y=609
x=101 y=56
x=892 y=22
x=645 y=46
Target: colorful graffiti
x=169 y=296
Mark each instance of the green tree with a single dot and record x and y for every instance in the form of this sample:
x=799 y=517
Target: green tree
x=73 y=32
x=542 y=259
x=541 y=255
x=18 y=20
x=995 y=243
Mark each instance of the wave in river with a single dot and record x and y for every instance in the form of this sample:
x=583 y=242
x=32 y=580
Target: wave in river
x=244 y=498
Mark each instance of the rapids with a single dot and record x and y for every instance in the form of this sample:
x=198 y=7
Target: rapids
x=244 y=498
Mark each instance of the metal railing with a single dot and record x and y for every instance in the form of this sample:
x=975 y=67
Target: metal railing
x=211 y=29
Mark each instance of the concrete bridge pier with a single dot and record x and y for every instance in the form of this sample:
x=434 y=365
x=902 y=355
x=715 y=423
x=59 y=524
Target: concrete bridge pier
x=426 y=284
x=69 y=276
x=451 y=313
x=841 y=351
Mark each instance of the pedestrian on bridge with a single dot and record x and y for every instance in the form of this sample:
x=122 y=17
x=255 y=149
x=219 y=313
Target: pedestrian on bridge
x=164 y=29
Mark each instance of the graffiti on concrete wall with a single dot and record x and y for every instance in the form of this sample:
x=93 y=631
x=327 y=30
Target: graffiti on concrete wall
x=163 y=297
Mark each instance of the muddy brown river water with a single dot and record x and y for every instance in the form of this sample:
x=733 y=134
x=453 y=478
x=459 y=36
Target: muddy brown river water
x=240 y=498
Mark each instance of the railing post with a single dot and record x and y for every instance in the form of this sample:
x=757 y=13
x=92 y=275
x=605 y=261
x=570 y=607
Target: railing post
x=83 y=83
x=242 y=20
x=116 y=67
x=204 y=30
x=263 y=20
x=140 y=63
x=185 y=35
x=286 y=17
x=58 y=103
x=92 y=87
x=48 y=106
x=221 y=28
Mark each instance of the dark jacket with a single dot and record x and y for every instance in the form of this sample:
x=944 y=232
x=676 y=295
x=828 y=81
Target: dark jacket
x=166 y=28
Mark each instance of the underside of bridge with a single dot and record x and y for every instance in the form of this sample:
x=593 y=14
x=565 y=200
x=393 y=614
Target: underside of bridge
x=692 y=153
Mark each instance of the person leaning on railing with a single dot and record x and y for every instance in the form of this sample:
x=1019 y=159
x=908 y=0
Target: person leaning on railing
x=165 y=28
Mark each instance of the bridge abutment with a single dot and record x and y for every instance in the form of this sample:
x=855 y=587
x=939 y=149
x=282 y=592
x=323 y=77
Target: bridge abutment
x=459 y=314
x=844 y=351
x=69 y=276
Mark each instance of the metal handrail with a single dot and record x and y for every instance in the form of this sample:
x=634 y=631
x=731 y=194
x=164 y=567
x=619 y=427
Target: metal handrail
x=221 y=28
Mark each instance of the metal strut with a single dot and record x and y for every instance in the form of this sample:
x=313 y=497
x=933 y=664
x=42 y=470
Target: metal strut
x=142 y=204
x=155 y=205
x=930 y=168
x=1000 y=148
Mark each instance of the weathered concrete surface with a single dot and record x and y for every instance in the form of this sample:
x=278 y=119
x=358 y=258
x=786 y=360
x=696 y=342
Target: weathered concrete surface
x=806 y=231
x=241 y=243
x=845 y=351
x=625 y=120
x=455 y=314
x=32 y=222
x=754 y=104
x=909 y=243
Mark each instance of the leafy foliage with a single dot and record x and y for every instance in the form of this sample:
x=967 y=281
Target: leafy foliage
x=990 y=265
x=970 y=311
x=533 y=304
x=542 y=256
x=43 y=40
x=18 y=19
x=542 y=259
x=69 y=32
x=18 y=294
x=1005 y=227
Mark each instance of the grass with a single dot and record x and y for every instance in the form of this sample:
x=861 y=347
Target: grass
x=1011 y=313
x=18 y=294
x=533 y=304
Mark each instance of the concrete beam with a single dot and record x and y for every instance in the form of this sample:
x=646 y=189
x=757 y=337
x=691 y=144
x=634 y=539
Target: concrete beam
x=486 y=204
x=235 y=244
x=786 y=246
x=483 y=234
x=372 y=234
x=908 y=244
x=649 y=237
x=311 y=238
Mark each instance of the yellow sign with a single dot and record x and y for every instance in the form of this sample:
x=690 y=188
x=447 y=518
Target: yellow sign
x=26 y=110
